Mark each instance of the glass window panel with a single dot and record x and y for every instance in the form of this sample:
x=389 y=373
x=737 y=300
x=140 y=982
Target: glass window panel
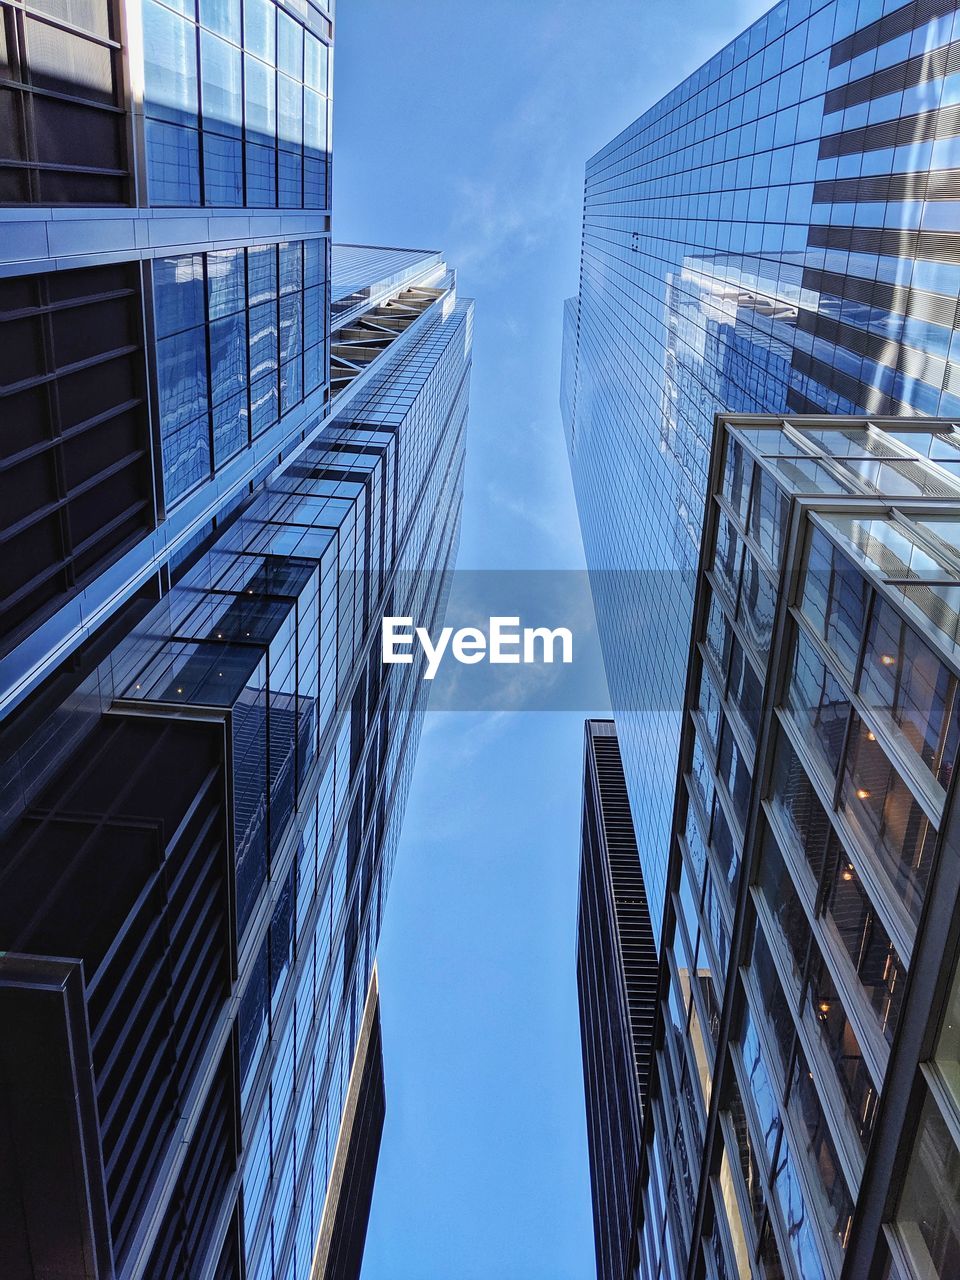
x=817 y=703
x=222 y=170
x=281 y=942
x=263 y=339
x=837 y=1034
x=796 y=803
x=170 y=65
x=252 y=1022
x=726 y=850
x=230 y=431
x=186 y=457
x=796 y=1216
x=316 y=57
x=835 y=1207
x=834 y=599
x=262 y=272
x=182 y=378
x=228 y=357
x=315 y=123
x=928 y=1215
x=173 y=164
x=726 y=561
x=775 y=1009
x=903 y=677
x=290 y=179
x=263 y=404
x=759 y=1089
x=750 y=1166
x=222 y=84
x=737 y=468
x=261 y=175
x=947 y=1053
x=177 y=293
x=291 y=384
x=886 y=818
x=719 y=635
x=222 y=16
x=289 y=46
x=758 y=602
x=290 y=112
x=776 y=886
x=225 y=282
x=259 y=28
x=316 y=192
x=260 y=95
x=745 y=690
x=855 y=922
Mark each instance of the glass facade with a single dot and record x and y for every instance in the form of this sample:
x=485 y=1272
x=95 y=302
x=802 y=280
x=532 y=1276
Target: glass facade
x=236 y=103
x=272 y=633
x=231 y=449
x=241 y=340
x=814 y=825
x=777 y=237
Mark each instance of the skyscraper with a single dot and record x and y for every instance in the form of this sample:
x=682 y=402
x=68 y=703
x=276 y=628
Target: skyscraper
x=805 y=1116
x=226 y=454
x=777 y=235
x=617 y=987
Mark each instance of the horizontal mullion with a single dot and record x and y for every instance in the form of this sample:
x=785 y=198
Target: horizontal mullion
x=51 y=20
x=51 y=508
x=65 y=304
x=22 y=87
x=39 y=380
x=89 y=424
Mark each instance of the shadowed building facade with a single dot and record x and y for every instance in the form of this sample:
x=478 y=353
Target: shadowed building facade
x=227 y=450
x=617 y=986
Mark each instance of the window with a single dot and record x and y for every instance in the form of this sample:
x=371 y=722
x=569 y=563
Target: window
x=248 y=124
x=886 y=818
x=74 y=412
x=834 y=599
x=817 y=704
x=230 y=350
x=62 y=118
x=928 y=1212
x=903 y=678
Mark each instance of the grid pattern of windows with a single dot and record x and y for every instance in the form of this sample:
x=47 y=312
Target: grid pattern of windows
x=237 y=107
x=76 y=484
x=63 y=126
x=808 y=836
x=269 y=631
x=778 y=234
x=241 y=340
x=275 y=624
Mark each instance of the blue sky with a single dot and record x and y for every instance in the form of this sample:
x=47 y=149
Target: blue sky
x=464 y=125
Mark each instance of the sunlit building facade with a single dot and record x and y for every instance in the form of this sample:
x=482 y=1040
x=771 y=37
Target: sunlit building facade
x=778 y=236
x=227 y=450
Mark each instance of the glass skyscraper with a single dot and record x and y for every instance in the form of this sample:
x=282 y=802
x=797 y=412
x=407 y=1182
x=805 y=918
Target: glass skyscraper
x=779 y=233
x=778 y=236
x=805 y=1118
x=226 y=451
